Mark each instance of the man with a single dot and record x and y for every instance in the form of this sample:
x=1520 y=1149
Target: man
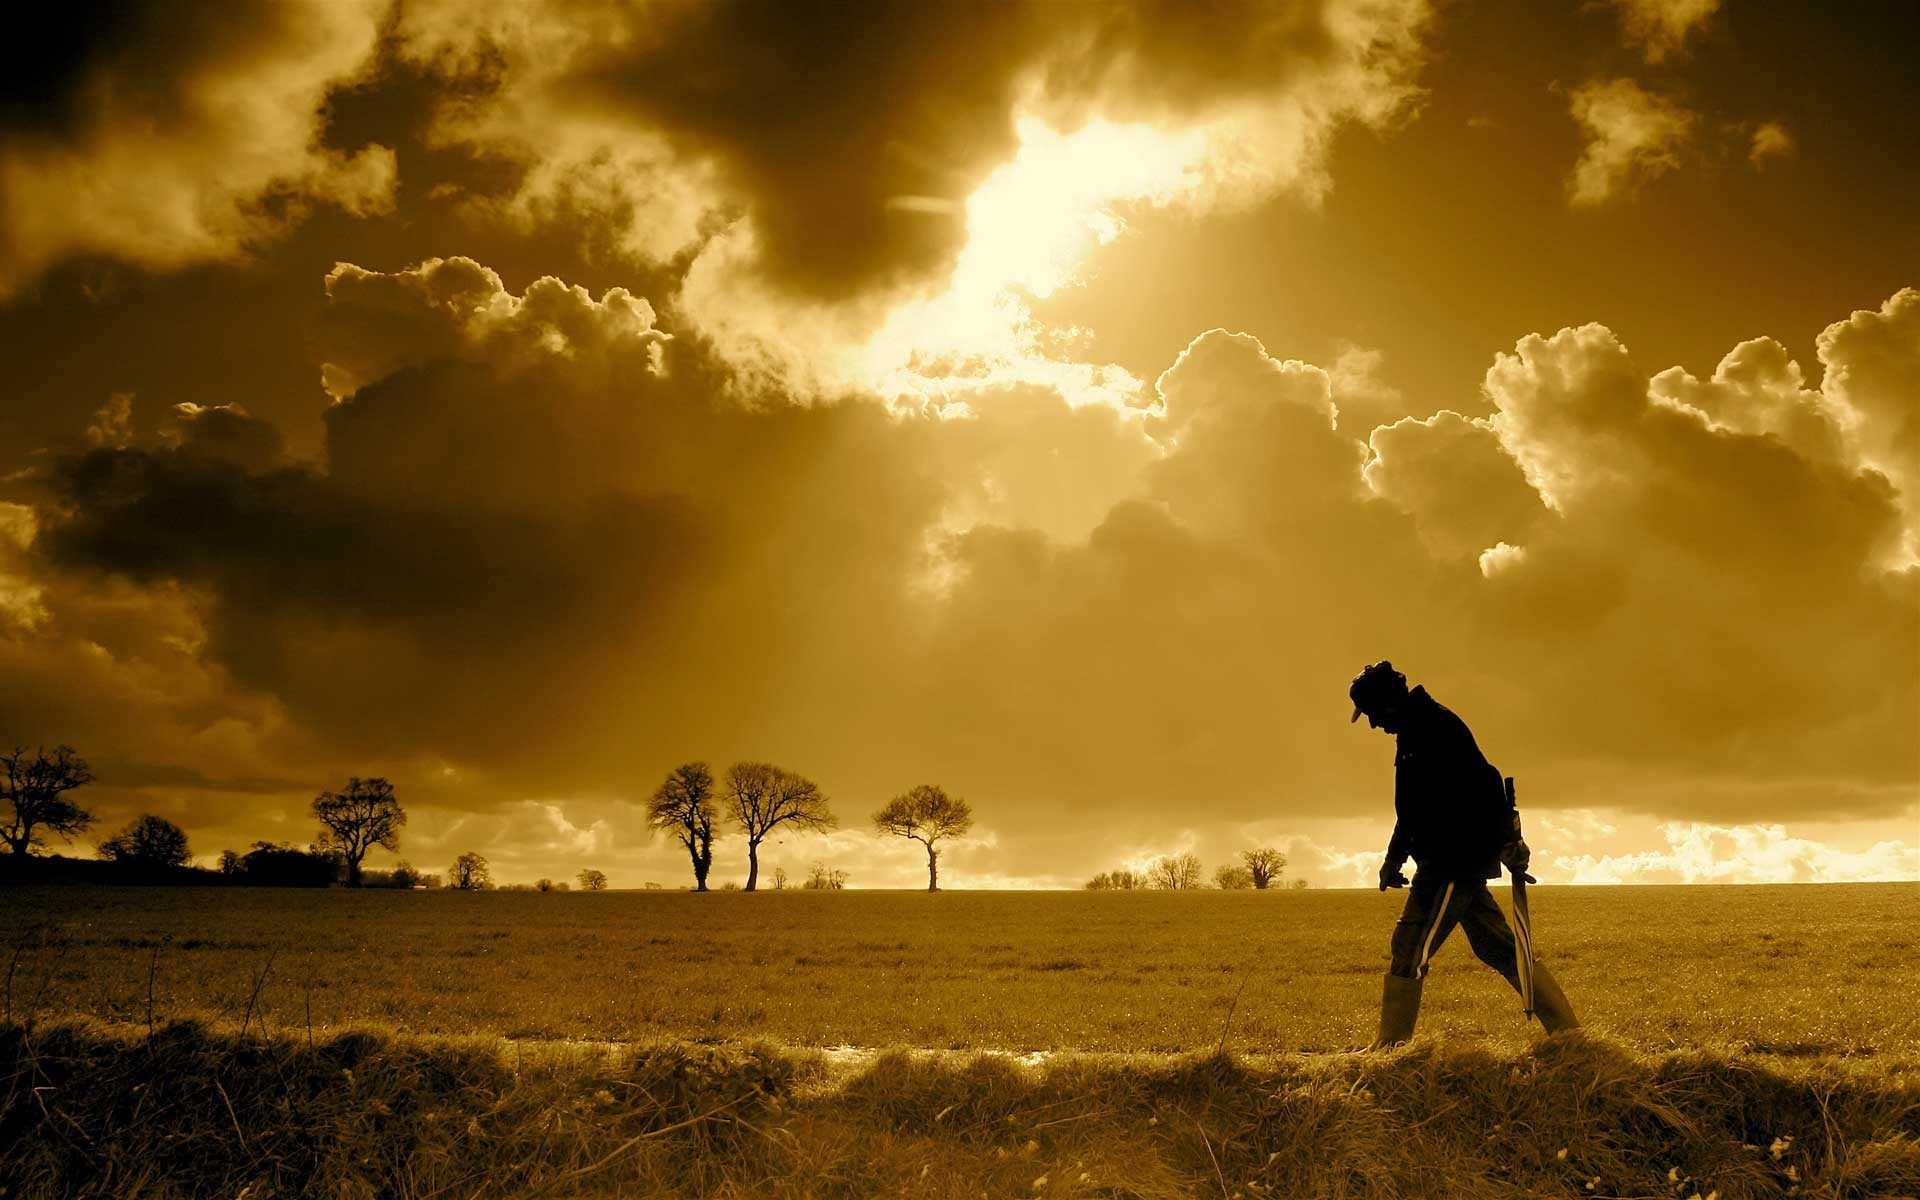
x=1455 y=818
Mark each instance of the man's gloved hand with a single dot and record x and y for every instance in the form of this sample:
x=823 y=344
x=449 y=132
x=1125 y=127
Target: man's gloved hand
x=1390 y=876
x=1515 y=857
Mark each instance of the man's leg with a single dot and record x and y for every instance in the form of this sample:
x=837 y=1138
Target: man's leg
x=1492 y=942
x=1431 y=911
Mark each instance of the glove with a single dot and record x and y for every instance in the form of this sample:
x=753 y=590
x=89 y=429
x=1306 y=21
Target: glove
x=1516 y=856
x=1390 y=876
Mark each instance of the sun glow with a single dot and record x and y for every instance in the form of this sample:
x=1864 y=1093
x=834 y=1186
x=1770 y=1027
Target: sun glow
x=1031 y=226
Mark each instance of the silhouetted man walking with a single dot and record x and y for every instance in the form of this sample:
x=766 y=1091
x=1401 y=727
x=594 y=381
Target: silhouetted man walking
x=1454 y=816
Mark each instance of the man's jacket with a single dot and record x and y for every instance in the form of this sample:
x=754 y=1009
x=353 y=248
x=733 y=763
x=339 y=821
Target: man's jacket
x=1451 y=811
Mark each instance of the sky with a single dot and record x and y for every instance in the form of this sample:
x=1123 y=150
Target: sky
x=1058 y=403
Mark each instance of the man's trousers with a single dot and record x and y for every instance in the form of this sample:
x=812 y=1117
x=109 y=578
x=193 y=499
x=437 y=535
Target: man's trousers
x=1434 y=907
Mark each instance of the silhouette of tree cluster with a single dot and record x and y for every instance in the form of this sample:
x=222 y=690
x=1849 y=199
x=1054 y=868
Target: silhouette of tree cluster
x=149 y=841
x=1258 y=868
x=823 y=878
x=755 y=797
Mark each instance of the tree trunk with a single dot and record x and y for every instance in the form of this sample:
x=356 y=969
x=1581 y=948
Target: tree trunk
x=353 y=872
x=699 y=867
x=933 y=868
x=753 y=865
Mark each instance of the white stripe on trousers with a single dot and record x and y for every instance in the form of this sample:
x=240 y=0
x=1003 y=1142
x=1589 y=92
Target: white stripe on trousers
x=1426 y=947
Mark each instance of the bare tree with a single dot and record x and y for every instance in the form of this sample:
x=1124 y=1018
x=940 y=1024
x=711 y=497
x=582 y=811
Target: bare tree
x=1265 y=864
x=779 y=879
x=35 y=790
x=469 y=873
x=926 y=814
x=762 y=797
x=1232 y=878
x=149 y=841
x=592 y=880
x=683 y=806
x=1120 y=879
x=1175 y=872
x=356 y=820
x=825 y=879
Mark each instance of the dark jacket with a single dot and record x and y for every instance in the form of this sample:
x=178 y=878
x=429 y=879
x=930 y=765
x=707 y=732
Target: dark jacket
x=1451 y=811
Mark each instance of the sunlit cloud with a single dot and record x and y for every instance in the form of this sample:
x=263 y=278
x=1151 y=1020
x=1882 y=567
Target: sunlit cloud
x=1703 y=853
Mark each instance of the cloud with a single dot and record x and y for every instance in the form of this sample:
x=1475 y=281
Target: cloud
x=681 y=120
x=1661 y=28
x=828 y=243
x=1705 y=853
x=564 y=551
x=1630 y=136
x=1454 y=477
x=164 y=139
x=1873 y=375
x=1770 y=140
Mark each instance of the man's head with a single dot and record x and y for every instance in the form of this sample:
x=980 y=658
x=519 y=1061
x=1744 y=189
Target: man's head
x=1379 y=691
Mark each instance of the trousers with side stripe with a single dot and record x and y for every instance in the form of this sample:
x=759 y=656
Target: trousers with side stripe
x=1434 y=907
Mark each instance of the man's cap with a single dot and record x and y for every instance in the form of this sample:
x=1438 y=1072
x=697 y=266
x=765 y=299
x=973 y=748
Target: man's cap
x=1374 y=684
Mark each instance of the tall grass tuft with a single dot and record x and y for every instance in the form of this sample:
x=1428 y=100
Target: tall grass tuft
x=92 y=1110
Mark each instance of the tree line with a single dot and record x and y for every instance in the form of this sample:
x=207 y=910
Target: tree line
x=1258 y=869
x=756 y=798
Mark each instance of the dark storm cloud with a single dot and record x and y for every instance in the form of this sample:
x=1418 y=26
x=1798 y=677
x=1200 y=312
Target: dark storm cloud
x=821 y=112
x=532 y=530
x=852 y=135
x=166 y=135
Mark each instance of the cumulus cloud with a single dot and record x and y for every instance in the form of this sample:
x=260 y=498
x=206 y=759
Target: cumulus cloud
x=829 y=241
x=1661 y=28
x=683 y=117
x=1451 y=473
x=166 y=140
x=1631 y=136
x=1705 y=853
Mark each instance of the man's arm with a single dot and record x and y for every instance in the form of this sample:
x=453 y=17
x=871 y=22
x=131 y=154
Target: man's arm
x=1514 y=852
x=1390 y=873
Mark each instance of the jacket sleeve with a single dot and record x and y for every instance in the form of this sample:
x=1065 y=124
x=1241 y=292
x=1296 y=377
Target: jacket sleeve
x=1397 y=847
x=1509 y=813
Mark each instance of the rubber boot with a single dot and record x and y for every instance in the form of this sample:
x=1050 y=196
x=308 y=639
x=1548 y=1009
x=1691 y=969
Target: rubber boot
x=1399 y=1009
x=1550 y=1004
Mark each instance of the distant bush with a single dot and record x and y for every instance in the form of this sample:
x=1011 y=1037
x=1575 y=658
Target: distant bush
x=402 y=877
x=1120 y=879
x=592 y=880
x=277 y=864
x=148 y=841
x=1233 y=879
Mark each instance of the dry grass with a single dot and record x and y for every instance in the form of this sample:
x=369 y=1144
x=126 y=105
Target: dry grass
x=1797 y=972
x=89 y=1111
x=1754 y=1042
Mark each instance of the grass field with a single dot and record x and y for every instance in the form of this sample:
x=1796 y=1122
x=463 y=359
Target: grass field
x=1740 y=1042
x=1812 y=970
